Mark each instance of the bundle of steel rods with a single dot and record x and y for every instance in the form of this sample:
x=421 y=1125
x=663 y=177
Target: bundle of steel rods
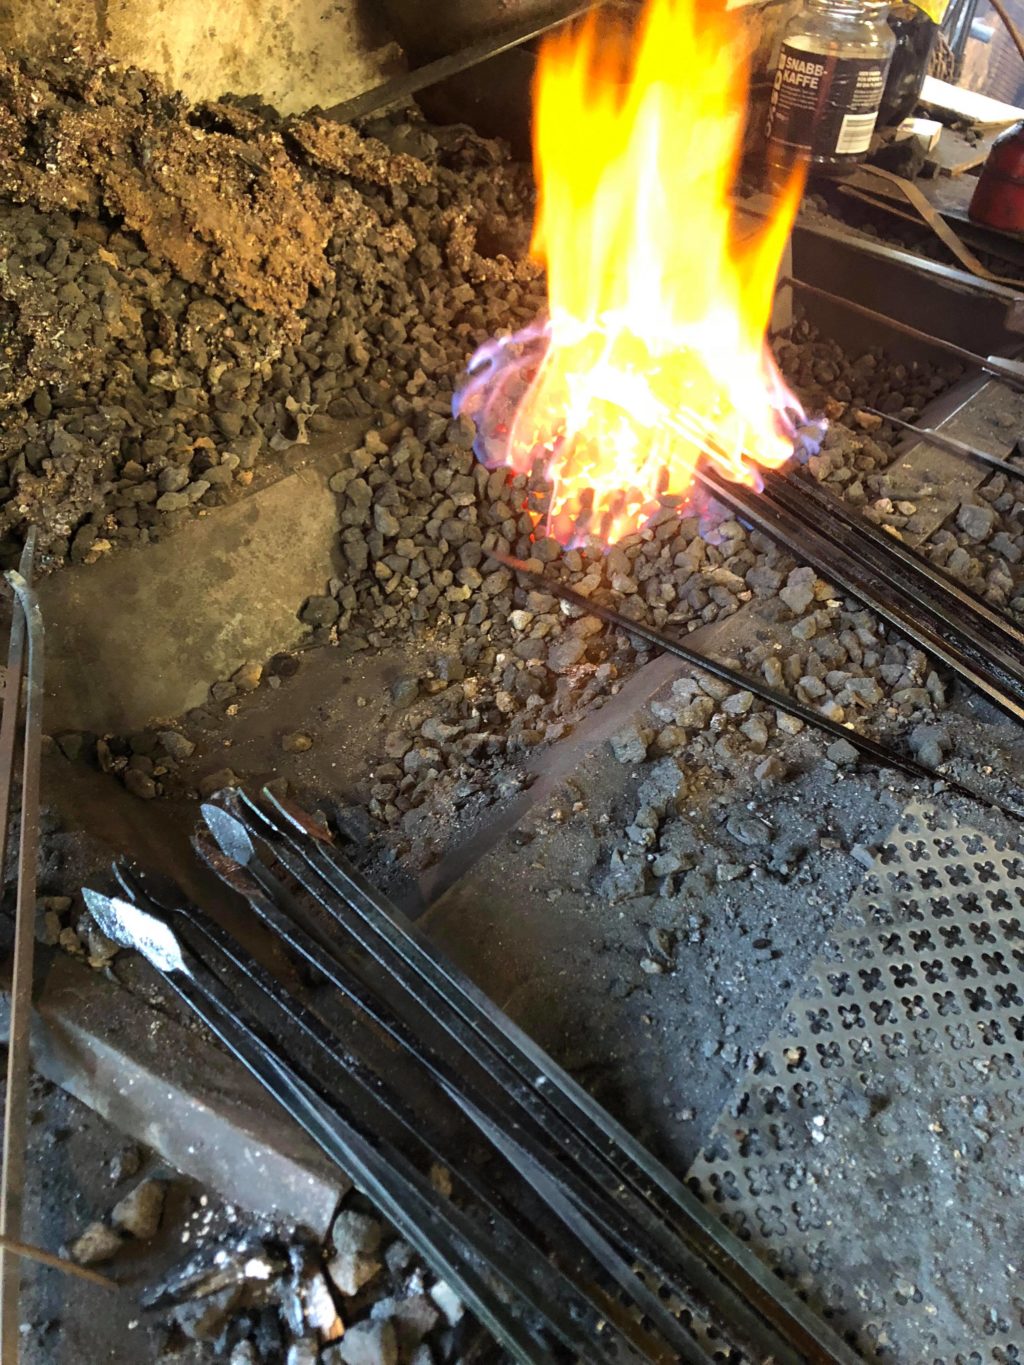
x=924 y=604
x=560 y=1232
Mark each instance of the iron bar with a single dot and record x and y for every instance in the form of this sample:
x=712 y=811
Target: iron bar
x=334 y=1054
x=845 y=560
x=402 y=88
x=950 y=443
x=959 y=597
x=1010 y=370
x=25 y=655
x=384 y=1175
x=880 y=754
x=607 y=1203
x=635 y=1167
x=551 y=1143
x=990 y=643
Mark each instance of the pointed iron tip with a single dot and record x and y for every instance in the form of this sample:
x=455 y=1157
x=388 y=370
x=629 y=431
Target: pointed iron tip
x=229 y=833
x=132 y=927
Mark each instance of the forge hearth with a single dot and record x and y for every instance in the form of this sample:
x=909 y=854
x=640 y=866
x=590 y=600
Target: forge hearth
x=270 y=553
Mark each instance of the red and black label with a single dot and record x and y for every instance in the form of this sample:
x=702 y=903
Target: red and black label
x=825 y=106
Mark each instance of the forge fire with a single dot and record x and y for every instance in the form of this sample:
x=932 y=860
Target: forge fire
x=652 y=355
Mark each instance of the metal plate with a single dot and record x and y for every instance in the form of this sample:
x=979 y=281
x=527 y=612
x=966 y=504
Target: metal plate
x=875 y=1155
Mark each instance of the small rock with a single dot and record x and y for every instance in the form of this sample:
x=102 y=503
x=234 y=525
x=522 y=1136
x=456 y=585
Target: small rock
x=215 y=782
x=320 y=611
x=297 y=742
x=356 y=1240
x=566 y=654
x=447 y=1300
x=797 y=596
x=176 y=746
x=842 y=751
x=929 y=744
x=413 y=1318
x=976 y=521
x=139 y=1212
x=630 y=744
x=97 y=1243
x=366 y=1343
x=248 y=677
x=125 y=1163
x=404 y=691
x=303 y=1351
x=770 y=769
x=140 y=784
x=747 y=828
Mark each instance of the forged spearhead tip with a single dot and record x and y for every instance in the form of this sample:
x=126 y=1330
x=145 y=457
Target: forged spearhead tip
x=229 y=833
x=133 y=927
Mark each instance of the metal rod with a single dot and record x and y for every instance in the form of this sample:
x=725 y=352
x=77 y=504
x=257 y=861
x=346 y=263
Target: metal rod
x=402 y=88
x=647 y=1243
x=917 y=596
x=950 y=443
x=12 y=1175
x=962 y=598
x=700 y=1232
x=878 y=753
x=848 y=561
x=47 y=1258
x=531 y=1260
x=1009 y=370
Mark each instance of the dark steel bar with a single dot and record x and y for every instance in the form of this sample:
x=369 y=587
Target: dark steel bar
x=1010 y=370
x=646 y=1242
x=846 y=564
x=27 y=650
x=382 y=1173
x=950 y=443
x=700 y=1232
x=878 y=753
x=982 y=636
x=960 y=599
x=404 y=87
x=533 y=1261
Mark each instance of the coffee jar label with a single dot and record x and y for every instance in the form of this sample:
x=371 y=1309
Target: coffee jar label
x=825 y=106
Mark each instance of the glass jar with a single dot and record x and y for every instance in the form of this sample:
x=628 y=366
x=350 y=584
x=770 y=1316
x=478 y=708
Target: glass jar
x=828 y=85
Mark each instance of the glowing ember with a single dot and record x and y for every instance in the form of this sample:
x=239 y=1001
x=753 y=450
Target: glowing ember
x=653 y=352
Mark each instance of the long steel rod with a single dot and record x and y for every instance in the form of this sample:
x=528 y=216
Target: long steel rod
x=332 y=1051
x=29 y=654
x=998 y=365
x=909 y=588
x=700 y=1232
x=950 y=443
x=960 y=598
x=845 y=564
x=303 y=937
x=878 y=753
x=402 y=88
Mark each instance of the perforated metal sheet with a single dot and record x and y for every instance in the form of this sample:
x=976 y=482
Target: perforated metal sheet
x=875 y=1155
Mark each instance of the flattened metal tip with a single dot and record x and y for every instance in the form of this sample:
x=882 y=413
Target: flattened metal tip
x=133 y=927
x=229 y=833
x=297 y=817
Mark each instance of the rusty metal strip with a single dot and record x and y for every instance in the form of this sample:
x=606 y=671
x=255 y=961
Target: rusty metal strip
x=27 y=650
x=940 y=227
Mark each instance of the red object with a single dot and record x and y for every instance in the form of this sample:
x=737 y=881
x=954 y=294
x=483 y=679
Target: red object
x=998 y=200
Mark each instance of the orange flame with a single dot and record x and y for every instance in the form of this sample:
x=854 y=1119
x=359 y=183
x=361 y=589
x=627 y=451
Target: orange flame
x=655 y=349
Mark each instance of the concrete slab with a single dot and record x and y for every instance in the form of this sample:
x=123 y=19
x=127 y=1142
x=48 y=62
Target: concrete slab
x=169 y=1088
x=142 y=635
